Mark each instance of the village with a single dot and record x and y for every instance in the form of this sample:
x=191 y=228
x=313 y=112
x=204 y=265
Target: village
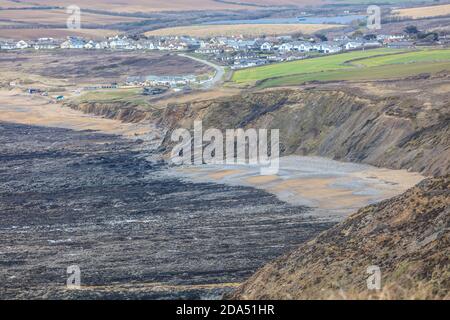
x=235 y=52
x=221 y=53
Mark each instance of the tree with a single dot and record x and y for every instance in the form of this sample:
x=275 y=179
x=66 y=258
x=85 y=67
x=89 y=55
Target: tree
x=322 y=37
x=370 y=36
x=429 y=37
x=411 y=30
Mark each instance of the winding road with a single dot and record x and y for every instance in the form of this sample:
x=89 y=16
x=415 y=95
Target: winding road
x=218 y=77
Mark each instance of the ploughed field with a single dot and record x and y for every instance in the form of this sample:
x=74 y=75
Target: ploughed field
x=94 y=200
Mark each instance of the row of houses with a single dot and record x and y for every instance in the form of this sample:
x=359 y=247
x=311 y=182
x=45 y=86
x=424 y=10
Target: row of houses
x=114 y=43
x=163 y=81
x=215 y=45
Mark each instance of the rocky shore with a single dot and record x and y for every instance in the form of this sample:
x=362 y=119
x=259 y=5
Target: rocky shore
x=94 y=200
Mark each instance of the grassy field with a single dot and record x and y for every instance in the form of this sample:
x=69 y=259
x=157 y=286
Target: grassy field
x=358 y=65
x=320 y=64
x=132 y=95
x=426 y=55
x=249 y=30
x=381 y=72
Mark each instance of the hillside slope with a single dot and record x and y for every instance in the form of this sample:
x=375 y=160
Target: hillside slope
x=407 y=237
x=407 y=129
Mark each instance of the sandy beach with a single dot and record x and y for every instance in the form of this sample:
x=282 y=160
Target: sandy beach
x=331 y=187
x=18 y=107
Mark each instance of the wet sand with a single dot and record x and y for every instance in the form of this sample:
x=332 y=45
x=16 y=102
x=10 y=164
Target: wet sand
x=331 y=187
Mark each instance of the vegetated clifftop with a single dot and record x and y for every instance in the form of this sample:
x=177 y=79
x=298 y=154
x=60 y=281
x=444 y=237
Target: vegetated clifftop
x=407 y=237
x=402 y=131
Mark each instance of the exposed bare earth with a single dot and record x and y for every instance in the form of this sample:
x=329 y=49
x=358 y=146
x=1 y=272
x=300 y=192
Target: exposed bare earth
x=244 y=29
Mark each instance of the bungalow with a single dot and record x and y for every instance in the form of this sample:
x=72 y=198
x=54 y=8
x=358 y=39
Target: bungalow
x=101 y=45
x=352 y=45
x=247 y=63
x=147 y=45
x=73 y=43
x=172 y=81
x=45 y=44
x=302 y=46
x=372 y=44
x=22 y=45
x=7 y=46
x=390 y=37
x=90 y=45
x=401 y=44
x=328 y=48
x=285 y=47
x=208 y=50
x=120 y=44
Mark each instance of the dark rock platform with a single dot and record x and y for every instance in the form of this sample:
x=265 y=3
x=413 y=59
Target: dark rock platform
x=93 y=200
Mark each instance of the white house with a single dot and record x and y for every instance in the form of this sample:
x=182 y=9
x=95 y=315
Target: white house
x=7 y=46
x=302 y=46
x=21 y=45
x=147 y=45
x=101 y=45
x=45 y=44
x=73 y=43
x=285 y=47
x=352 y=45
x=372 y=44
x=326 y=48
x=90 y=45
x=266 y=46
x=120 y=44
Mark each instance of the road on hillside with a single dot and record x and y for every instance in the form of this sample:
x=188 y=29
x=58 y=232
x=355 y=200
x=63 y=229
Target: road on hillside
x=220 y=71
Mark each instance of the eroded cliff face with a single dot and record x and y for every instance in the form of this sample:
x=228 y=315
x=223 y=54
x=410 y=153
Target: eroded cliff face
x=406 y=237
x=404 y=131
x=391 y=133
x=399 y=125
